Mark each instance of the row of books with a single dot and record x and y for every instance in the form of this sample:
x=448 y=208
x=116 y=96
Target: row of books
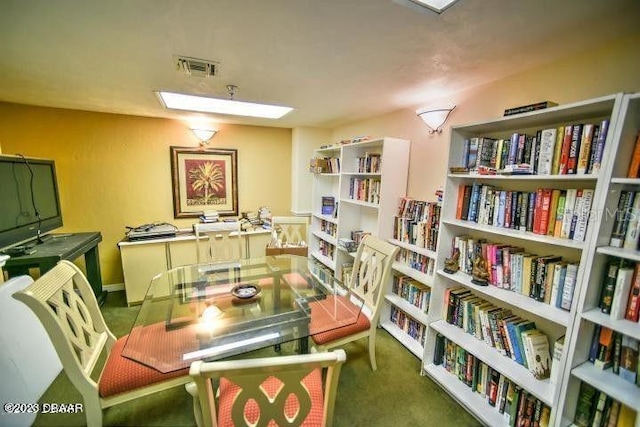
x=417 y=223
x=626 y=221
x=512 y=335
x=365 y=190
x=620 y=290
x=417 y=210
x=329 y=228
x=358 y=235
x=613 y=350
x=408 y=324
x=547 y=278
x=597 y=409
x=412 y=291
x=546 y=211
x=326 y=249
x=519 y=407
x=416 y=261
x=571 y=149
x=369 y=163
x=324 y=165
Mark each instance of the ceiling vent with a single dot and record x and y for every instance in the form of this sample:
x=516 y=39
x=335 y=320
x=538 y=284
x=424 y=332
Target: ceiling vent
x=196 y=67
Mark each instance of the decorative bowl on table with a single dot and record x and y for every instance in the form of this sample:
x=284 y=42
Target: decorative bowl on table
x=245 y=291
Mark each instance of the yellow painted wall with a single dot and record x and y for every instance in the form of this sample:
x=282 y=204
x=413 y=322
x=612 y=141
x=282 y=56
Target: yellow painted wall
x=600 y=71
x=114 y=170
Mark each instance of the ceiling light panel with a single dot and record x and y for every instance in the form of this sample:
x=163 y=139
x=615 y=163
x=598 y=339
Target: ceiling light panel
x=438 y=6
x=180 y=101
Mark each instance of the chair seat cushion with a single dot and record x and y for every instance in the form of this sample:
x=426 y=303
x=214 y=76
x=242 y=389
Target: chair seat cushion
x=229 y=392
x=121 y=374
x=336 y=317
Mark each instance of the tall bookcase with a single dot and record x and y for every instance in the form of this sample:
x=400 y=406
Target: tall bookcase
x=371 y=178
x=588 y=314
x=406 y=301
x=554 y=322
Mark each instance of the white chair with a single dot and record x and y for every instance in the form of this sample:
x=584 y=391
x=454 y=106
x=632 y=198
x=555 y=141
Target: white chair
x=218 y=241
x=290 y=230
x=64 y=303
x=287 y=390
x=371 y=270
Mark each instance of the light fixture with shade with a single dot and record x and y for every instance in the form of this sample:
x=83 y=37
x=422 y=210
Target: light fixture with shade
x=435 y=118
x=204 y=135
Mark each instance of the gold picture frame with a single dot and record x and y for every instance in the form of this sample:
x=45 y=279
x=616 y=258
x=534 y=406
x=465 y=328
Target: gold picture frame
x=204 y=179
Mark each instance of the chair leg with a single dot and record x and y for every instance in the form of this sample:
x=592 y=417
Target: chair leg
x=93 y=411
x=372 y=351
x=197 y=411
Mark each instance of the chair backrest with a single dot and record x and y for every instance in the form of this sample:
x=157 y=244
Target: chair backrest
x=371 y=270
x=64 y=302
x=290 y=229
x=218 y=241
x=257 y=391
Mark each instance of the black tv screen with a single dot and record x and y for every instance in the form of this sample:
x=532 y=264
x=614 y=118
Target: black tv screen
x=29 y=199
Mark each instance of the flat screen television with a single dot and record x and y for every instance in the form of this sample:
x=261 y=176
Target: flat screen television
x=29 y=200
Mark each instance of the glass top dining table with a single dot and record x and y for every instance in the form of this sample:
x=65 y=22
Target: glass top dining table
x=217 y=310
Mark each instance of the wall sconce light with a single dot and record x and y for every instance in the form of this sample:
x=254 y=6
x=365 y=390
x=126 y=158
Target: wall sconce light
x=204 y=135
x=435 y=119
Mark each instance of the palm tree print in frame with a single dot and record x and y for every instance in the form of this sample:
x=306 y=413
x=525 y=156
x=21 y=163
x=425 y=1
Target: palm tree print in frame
x=204 y=180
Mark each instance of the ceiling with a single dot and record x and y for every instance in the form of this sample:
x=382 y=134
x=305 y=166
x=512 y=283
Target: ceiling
x=334 y=61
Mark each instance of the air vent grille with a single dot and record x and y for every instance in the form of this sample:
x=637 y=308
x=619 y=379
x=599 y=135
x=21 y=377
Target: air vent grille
x=196 y=67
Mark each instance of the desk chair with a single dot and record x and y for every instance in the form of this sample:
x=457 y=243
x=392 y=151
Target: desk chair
x=64 y=303
x=371 y=270
x=218 y=241
x=288 y=390
x=290 y=229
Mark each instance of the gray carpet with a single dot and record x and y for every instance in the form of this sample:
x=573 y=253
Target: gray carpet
x=394 y=395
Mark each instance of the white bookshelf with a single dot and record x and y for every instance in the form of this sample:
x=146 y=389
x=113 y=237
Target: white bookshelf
x=352 y=214
x=625 y=125
x=559 y=395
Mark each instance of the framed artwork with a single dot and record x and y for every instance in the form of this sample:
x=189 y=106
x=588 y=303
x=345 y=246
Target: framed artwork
x=204 y=179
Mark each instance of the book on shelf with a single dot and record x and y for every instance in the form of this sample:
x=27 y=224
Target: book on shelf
x=566 y=298
x=529 y=107
x=585 y=406
x=604 y=354
x=634 y=164
x=609 y=284
x=328 y=205
x=626 y=417
x=603 y=129
x=584 y=153
x=574 y=148
x=633 y=304
x=558 y=348
x=633 y=227
x=621 y=291
x=546 y=151
x=629 y=359
x=621 y=218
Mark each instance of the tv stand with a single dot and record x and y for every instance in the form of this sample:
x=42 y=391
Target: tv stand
x=55 y=247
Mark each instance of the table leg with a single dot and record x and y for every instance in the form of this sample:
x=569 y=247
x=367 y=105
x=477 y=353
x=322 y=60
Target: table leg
x=92 y=262
x=303 y=345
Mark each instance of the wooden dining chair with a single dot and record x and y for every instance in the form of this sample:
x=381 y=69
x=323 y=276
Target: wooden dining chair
x=218 y=241
x=64 y=302
x=298 y=390
x=290 y=229
x=332 y=322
